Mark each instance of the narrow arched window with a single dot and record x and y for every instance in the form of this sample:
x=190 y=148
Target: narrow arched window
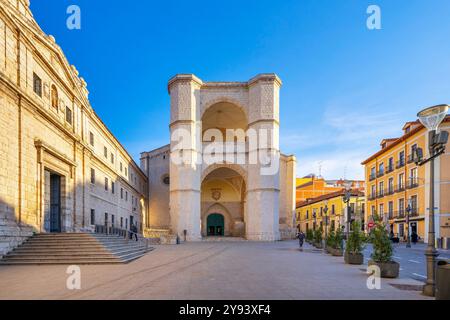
x=54 y=97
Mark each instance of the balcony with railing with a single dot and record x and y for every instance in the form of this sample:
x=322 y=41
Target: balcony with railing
x=400 y=163
x=381 y=194
x=372 y=196
x=380 y=174
x=412 y=183
x=390 y=191
x=390 y=168
x=411 y=158
x=400 y=188
x=372 y=177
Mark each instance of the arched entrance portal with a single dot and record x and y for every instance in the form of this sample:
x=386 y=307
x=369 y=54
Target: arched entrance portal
x=215 y=225
x=223 y=203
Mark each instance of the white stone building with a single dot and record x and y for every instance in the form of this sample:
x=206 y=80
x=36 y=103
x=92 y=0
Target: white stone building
x=61 y=169
x=227 y=197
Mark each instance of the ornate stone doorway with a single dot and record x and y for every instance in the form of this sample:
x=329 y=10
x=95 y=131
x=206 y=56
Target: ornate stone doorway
x=216 y=225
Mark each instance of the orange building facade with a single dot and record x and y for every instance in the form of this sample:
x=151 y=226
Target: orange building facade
x=398 y=189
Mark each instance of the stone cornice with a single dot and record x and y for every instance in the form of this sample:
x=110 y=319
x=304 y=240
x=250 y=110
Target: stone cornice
x=184 y=77
x=267 y=77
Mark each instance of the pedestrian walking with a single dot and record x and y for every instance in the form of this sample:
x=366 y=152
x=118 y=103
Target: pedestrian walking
x=301 y=239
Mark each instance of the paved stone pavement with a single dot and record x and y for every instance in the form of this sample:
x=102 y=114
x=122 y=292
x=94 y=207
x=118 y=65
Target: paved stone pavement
x=208 y=270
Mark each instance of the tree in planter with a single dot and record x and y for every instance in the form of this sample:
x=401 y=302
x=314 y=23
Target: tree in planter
x=331 y=240
x=383 y=251
x=382 y=245
x=339 y=240
x=309 y=235
x=318 y=237
x=355 y=245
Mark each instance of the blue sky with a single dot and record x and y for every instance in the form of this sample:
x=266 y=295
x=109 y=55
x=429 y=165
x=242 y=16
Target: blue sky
x=345 y=87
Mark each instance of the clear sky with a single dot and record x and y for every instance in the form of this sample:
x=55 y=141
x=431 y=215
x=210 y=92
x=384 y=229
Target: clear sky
x=345 y=87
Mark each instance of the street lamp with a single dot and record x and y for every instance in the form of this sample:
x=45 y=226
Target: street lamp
x=325 y=210
x=408 y=211
x=431 y=118
x=347 y=197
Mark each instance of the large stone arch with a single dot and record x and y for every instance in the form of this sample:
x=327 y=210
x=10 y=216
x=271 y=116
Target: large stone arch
x=223 y=99
x=235 y=167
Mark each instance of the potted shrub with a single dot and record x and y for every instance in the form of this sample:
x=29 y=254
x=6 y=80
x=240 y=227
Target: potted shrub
x=309 y=236
x=355 y=245
x=338 y=244
x=383 y=251
x=318 y=238
x=330 y=241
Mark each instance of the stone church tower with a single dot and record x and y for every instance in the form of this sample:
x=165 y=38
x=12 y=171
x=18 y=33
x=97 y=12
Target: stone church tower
x=232 y=196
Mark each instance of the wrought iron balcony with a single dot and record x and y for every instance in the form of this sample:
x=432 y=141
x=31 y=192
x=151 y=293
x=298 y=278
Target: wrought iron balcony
x=372 y=177
x=380 y=174
x=390 y=168
x=413 y=183
x=400 y=163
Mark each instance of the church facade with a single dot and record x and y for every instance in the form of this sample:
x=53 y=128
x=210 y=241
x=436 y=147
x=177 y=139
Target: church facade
x=223 y=173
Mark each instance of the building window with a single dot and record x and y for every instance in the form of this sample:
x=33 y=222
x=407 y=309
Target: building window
x=391 y=164
x=401 y=206
x=126 y=172
x=113 y=187
x=391 y=209
x=37 y=85
x=91 y=138
x=121 y=167
x=68 y=115
x=112 y=221
x=126 y=195
x=121 y=193
x=92 y=175
x=333 y=211
x=106 y=184
x=112 y=158
x=92 y=216
x=166 y=179
x=54 y=95
x=391 y=186
x=381 y=169
x=126 y=223
x=121 y=222
x=105 y=152
x=381 y=210
x=401 y=181
x=106 y=219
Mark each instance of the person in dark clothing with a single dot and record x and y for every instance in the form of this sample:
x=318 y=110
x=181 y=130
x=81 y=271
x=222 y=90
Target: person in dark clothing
x=414 y=237
x=301 y=239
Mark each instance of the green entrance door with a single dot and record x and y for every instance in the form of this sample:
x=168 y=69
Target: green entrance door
x=215 y=225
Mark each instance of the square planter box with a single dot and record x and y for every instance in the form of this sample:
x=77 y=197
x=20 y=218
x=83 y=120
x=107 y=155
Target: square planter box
x=388 y=269
x=356 y=259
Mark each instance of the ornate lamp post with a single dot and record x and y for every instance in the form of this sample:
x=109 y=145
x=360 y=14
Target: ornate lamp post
x=431 y=118
x=347 y=198
x=325 y=210
x=408 y=234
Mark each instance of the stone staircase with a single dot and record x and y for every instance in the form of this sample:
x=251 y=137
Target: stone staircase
x=75 y=248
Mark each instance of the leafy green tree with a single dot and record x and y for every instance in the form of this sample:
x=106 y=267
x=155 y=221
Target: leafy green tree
x=331 y=239
x=356 y=240
x=382 y=245
x=339 y=239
